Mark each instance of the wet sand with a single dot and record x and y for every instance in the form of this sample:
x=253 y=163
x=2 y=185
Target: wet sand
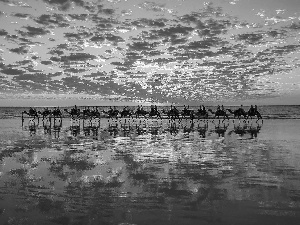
x=150 y=172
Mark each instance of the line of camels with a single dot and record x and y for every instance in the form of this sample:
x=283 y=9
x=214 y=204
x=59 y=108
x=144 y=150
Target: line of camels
x=172 y=113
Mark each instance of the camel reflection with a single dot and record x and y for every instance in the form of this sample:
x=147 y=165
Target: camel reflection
x=189 y=127
x=202 y=129
x=220 y=128
x=173 y=128
x=243 y=129
x=52 y=127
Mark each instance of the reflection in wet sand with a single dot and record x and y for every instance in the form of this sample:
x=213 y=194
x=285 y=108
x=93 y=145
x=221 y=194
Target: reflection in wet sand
x=148 y=172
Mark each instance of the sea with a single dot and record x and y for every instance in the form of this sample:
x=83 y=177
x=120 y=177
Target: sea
x=140 y=171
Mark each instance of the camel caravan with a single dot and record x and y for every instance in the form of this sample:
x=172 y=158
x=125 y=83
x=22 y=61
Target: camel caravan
x=172 y=113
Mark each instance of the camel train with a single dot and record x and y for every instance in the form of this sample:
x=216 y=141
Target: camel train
x=172 y=113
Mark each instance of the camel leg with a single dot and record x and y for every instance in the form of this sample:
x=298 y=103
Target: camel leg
x=22 y=119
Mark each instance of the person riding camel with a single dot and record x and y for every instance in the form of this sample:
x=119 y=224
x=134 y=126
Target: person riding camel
x=31 y=110
x=152 y=109
x=222 y=108
x=251 y=110
x=241 y=109
x=110 y=110
x=255 y=109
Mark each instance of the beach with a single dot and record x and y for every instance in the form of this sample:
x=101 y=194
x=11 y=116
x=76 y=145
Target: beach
x=150 y=172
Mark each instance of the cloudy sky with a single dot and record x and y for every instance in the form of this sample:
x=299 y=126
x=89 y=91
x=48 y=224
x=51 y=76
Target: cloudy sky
x=95 y=51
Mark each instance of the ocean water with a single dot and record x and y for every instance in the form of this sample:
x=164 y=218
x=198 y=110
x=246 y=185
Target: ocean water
x=139 y=171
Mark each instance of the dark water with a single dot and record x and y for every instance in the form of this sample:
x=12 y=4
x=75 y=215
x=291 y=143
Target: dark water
x=150 y=172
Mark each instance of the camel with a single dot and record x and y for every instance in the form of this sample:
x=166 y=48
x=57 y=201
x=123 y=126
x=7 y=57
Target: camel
x=172 y=114
x=153 y=113
x=88 y=113
x=187 y=113
x=95 y=113
x=111 y=113
x=140 y=112
x=31 y=113
x=56 y=113
x=126 y=113
x=45 y=113
x=74 y=112
x=219 y=113
x=254 y=113
x=201 y=113
x=238 y=113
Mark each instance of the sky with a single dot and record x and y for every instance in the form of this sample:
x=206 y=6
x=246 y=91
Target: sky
x=101 y=52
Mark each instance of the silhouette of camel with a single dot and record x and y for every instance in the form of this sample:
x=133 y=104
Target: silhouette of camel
x=172 y=114
x=126 y=113
x=140 y=112
x=219 y=113
x=46 y=113
x=33 y=113
x=201 y=114
x=187 y=113
x=153 y=113
x=238 y=113
x=111 y=113
x=56 y=113
x=74 y=112
x=254 y=113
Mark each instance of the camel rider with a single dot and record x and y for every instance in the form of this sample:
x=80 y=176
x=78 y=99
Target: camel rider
x=152 y=110
x=242 y=110
x=222 y=108
x=203 y=109
x=200 y=108
x=251 y=110
x=155 y=109
x=31 y=110
x=175 y=109
x=255 y=109
x=110 y=109
x=184 y=108
x=218 y=108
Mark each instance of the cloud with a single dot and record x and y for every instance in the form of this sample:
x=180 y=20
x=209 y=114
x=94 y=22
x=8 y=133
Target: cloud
x=98 y=38
x=20 y=50
x=78 y=57
x=64 y=5
x=11 y=71
x=81 y=17
x=77 y=36
x=156 y=7
x=24 y=62
x=21 y=15
x=250 y=38
x=3 y=32
x=144 y=22
x=56 y=20
x=33 y=31
x=142 y=46
x=46 y=62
